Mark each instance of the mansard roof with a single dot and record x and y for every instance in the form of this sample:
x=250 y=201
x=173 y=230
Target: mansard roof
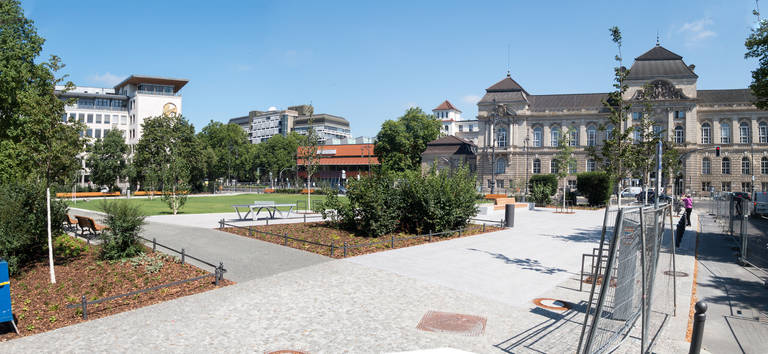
x=660 y=63
x=728 y=96
x=446 y=105
x=577 y=101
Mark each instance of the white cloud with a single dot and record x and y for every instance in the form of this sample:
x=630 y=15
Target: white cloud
x=471 y=99
x=107 y=79
x=697 y=31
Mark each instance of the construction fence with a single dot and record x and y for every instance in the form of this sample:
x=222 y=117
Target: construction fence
x=633 y=290
x=739 y=218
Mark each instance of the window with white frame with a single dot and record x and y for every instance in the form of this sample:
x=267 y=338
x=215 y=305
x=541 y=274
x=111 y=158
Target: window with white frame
x=679 y=114
x=679 y=134
x=536 y=166
x=537 y=137
x=501 y=165
x=501 y=137
x=706 y=133
x=555 y=135
x=744 y=133
x=591 y=135
x=637 y=115
x=591 y=165
x=726 y=166
x=573 y=137
x=725 y=133
x=706 y=166
x=764 y=165
x=553 y=168
x=745 y=168
x=763 y=132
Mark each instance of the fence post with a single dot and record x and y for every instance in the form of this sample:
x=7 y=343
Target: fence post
x=154 y=244
x=250 y=232
x=84 y=304
x=267 y=220
x=182 y=256
x=483 y=227
x=331 y=249
x=305 y=217
x=221 y=223
x=345 y=249
x=698 y=327
x=392 y=243
x=460 y=231
x=285 y=239
x=430 y=235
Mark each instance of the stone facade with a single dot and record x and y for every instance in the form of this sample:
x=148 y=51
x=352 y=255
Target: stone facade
x=525 y=132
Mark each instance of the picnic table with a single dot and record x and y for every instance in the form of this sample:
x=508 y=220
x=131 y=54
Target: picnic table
x=257 y=206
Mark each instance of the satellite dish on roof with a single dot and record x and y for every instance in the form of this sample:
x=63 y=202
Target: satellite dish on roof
x=271 y=109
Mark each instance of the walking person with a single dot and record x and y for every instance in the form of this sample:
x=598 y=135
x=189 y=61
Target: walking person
x=688 y=204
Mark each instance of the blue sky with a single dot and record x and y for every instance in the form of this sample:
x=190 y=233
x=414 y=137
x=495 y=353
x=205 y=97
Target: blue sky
x=369 y=61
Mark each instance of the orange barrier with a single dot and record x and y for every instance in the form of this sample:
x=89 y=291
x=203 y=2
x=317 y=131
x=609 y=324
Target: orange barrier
x=269 y=190
x=304 y=191
x=88 y=194
x=495 y=196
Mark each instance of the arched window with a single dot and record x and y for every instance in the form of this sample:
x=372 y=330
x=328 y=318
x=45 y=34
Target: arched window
x=537 y=136
x=591 y=135
x=591 y=166
x=536 y=166
x=573 y=137
x=555 y=134
x=763 y=131
x=501 y=165
x=764 y=165
x=706 y=133
x=609 y=132
x=725 y=133
x=679 y=134
x=706 y=166
x=638 y=137
x=726 y=166
x=744 y=133
x=501 y=137
x=745 y=170
x=553 y=166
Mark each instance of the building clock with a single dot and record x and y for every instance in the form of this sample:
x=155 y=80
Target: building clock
x=169 y=109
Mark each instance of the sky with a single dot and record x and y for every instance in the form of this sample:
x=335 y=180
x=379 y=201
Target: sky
x=371 y=61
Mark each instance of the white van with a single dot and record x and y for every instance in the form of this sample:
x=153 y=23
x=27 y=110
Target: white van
x=760 y=202
x=631 y=191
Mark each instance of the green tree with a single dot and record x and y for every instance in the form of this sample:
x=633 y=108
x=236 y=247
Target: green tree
x=564 y=158
x=228 y=144
x=615 y=150
x=311 y=158
x=34 y=141
x=757 y=47
x=400 y=143
x=107 y=159
x=169 y=151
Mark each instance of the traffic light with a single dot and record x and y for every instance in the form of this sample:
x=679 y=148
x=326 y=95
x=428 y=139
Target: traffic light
x=717 y=151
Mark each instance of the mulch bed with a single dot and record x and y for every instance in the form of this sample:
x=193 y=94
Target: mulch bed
x=40 y=306
x=323 y=233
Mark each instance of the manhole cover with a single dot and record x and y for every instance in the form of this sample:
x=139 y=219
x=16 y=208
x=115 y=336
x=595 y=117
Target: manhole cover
x=676 y=273
x=287 y=351
x=468 y=325
x=552 y=304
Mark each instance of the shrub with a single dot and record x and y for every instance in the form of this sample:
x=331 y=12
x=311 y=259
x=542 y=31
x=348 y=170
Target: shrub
x=331 y=207
x=374 y=205
x=549 y=180
x=24 y=223
x=541 y=194
x=66 y=247
x=595 y=186
x=288 y=190
x=437 y=201
x=125 y=221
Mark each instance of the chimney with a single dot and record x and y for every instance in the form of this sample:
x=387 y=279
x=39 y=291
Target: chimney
x=691 y=67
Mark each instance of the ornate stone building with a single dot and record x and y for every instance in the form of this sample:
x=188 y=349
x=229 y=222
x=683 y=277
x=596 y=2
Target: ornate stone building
x=520 y=140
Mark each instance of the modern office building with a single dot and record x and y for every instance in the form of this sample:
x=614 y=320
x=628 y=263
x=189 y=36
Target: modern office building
x=348 y=158
x=123 y=107
x=453 y=124
x=525 y=128
x=261 y=126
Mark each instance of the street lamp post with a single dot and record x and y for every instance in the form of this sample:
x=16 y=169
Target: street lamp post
x=496 y=115
x=525 y=148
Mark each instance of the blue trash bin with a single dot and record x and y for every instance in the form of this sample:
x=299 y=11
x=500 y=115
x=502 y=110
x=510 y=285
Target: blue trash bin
x=6 y=313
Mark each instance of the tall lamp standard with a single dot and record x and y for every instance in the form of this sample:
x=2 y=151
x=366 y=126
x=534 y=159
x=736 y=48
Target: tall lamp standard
x=525 y=148
x=499 y=112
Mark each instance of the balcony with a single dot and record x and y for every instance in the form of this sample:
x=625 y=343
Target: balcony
x=157 y=93
x=100 y=108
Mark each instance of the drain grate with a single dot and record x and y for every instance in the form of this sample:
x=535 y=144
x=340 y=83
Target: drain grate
x=552 y=304
x=678 y=274
x=445 y=322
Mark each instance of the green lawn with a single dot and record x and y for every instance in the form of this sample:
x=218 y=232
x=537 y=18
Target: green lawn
x=202 y=205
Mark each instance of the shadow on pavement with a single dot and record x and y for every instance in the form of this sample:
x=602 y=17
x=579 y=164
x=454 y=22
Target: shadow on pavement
x=526 y=264
x=581 y=235
x=558 y=333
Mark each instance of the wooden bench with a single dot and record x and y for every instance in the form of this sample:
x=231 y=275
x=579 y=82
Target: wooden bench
x=71 y=223
x=500 y=203
x=87 y=223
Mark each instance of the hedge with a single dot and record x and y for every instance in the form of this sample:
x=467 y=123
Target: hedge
x=595 y=186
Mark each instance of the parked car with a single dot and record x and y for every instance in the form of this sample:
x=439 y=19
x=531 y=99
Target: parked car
x=741 y=195
x=652 y=197
x=631 y=191
x=760 y=203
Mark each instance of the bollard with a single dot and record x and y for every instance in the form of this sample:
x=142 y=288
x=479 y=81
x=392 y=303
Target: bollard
x=267 y=222
x=305 y=218
x=460 y=232
x=182 y=256
x=698 y=327
x=345 y=249
x=154 y=244
x=483 y=227
x=331 y=250
x=85 y=307
x=250 y=232
x=221 y=223
x=430 y=235
x=285 y=239
x=509 y=215
x=392 y=243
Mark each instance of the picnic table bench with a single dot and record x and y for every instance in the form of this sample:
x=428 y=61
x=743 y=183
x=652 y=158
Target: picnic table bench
x=257 y=206
x=86 y=223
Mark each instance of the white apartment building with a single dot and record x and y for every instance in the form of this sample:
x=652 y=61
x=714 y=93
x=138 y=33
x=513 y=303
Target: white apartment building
x=260 y=126
x=454 y=125
x=123 y=107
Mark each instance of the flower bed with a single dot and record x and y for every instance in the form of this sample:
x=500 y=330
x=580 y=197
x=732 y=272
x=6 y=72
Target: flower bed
x=321 y=236
x=40 y=306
